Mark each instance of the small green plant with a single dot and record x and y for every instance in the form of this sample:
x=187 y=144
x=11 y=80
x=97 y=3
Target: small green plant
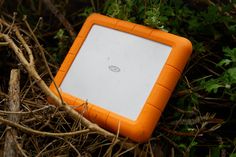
x=120 y=9
x=227 y=80
x=63 y=43
x=153 y=17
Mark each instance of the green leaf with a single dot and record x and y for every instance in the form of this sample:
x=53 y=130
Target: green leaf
x=233 y=155
x=199 y=47
x=194 y=99
x=232 y=74
x=167 y=10
x=232 y=29
x=183 y=146
x=154 y=19
x=60 y=34
x=193 y=24
x=231 y=53
x=215 y=152
x=194 y=143
x=212 y=85
x=211 y=16
x=224 y=62
x=114 y=8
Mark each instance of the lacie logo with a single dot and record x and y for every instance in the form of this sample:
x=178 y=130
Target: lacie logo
x=114 y=68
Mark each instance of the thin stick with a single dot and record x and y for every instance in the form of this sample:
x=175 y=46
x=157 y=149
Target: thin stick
x=33 y=73
x=43 y=56
x=40 y=153
x=93 y=5
x=20 y=149
x=41 y=133
x=14 y=105
x=1 y=3
x=30 y=54
x=60 y=17
x=13 y=22
x=24 y=113
x=173 y=144
x=3 y=43
x=176 y=133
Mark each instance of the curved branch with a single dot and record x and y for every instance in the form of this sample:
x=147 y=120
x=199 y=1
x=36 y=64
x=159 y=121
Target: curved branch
x=33 y=73
x=41 y=133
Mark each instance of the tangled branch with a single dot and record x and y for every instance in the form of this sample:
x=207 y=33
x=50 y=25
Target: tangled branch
x=29 y=66
x=41 y=133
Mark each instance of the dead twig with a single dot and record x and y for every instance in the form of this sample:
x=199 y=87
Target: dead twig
x=193 y=112
x=194 y=121
x=173 y=144
x=21 y=151
x=41 y=133
x=29 y=66
x=1 y=3
x=42 y=54
x=23 y=113
x=177 y=133
x=3 y=43
x=60 y=17
x=40 y=153
x=28 y=50
x=13 y=105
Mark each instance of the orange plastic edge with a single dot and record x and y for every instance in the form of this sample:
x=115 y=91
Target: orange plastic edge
x=57 y=79
x=98 y=115
x=124 y=26
x=141 y=129
x=168 y=77
x=159 y=97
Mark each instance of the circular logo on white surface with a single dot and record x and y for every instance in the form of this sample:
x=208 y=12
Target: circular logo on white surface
x=114 y=68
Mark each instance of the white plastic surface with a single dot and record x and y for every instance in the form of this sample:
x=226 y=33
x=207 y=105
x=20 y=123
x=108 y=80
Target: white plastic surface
x=115 y=70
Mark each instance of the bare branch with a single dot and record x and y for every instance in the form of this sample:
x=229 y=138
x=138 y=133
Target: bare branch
x=13 y=105
x=33 y=73
x=41 y=133
x=60 y=17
